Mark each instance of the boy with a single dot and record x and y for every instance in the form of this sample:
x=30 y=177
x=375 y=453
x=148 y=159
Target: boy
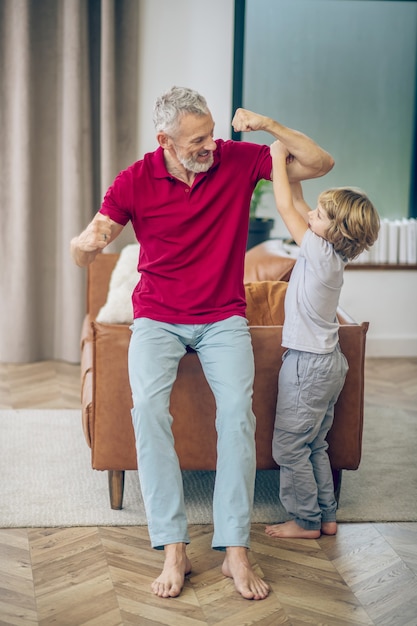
x=314 y=369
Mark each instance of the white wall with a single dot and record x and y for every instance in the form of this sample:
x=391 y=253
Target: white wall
x=187 y=43
x=387 y=299
x=344 y=73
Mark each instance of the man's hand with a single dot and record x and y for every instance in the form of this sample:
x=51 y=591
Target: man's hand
x=97 y=235
x=246 y=121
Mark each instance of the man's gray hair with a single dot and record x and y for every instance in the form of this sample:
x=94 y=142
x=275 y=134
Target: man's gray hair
x=170 y=106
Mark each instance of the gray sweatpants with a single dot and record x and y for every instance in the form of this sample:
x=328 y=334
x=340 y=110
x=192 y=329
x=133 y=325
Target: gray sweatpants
x=308 y=388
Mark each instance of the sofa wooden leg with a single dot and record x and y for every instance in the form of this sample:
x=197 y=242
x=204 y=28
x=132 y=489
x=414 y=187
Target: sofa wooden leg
x=337 y=482
x=116 y=487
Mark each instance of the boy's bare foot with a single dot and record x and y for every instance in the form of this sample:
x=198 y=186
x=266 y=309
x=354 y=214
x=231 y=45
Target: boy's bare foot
x=329 y=528
x=177 y=565
x=236 y=565
x=291 y=529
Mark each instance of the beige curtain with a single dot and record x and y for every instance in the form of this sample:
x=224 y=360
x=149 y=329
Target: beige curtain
x=68 y=125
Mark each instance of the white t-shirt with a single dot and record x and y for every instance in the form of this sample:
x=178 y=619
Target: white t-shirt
x=313 y=296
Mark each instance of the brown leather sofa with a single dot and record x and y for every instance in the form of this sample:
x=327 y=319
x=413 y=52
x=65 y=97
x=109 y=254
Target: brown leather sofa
x=106 y=397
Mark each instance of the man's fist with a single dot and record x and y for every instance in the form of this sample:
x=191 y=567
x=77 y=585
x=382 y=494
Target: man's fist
x=245 y=121
x=97 y=235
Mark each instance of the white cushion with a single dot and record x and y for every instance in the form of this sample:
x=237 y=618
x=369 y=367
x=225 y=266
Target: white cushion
x=118 y=308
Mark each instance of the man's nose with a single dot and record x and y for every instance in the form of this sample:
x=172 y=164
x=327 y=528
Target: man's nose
x=210 y=145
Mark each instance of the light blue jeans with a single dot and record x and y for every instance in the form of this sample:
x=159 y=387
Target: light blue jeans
x=225 y=352
x=309 y=385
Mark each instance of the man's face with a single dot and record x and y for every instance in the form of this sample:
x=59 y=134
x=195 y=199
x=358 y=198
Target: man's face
x=193 y=143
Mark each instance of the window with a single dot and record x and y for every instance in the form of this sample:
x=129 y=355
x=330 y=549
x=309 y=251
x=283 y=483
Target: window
x=343 y=72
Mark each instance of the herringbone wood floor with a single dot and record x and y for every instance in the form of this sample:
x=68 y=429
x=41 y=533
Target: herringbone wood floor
x=366 y=575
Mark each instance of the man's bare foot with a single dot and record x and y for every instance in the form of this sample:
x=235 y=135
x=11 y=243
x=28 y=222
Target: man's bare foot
x=177 y=565
x=291 y=529
x=236 y=565
x=329 y=528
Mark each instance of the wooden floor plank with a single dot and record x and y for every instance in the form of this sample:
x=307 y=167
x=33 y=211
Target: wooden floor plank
x=17 y=592
x=71 y=576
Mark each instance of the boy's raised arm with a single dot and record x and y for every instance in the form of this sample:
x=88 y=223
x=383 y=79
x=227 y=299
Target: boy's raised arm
x=288 y=196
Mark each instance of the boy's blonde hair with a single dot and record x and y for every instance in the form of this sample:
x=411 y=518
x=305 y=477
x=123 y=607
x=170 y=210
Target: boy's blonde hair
x=354 y=220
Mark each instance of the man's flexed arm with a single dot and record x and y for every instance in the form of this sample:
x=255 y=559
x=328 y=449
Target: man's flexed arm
x=310 y=160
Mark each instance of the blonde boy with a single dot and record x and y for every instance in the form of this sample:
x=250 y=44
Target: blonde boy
x=314 y=369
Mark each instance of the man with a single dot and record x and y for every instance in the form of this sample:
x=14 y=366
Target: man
x=189 y=206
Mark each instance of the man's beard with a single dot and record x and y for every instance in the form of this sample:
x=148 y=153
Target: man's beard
x=192 y=165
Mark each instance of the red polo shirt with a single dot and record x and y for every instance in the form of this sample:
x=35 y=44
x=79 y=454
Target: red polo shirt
x=192 y=239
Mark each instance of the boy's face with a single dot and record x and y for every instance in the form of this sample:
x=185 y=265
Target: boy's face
x=318 y=221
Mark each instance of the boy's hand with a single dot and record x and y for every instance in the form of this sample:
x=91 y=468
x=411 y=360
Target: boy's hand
x=278 y=149
x=246 y=121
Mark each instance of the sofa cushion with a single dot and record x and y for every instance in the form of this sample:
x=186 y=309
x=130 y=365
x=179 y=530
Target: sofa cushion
x=268 y=261
x=265 y=302
x=118 y=308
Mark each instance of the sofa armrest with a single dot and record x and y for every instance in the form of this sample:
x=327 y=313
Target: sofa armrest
x=345 y=436
x=98 y=278
x=113 y=437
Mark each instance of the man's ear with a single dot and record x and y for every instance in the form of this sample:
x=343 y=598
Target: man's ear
x=164 y=140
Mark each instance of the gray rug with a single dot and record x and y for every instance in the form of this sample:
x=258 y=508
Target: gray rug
x=47 y=478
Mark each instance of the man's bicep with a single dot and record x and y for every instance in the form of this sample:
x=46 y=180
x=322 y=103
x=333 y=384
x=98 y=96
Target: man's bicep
x=298 y=172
